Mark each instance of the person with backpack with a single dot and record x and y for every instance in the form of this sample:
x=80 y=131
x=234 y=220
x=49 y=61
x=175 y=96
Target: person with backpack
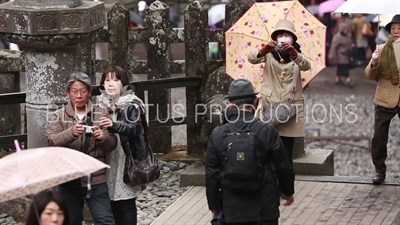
x=130 y=126
x=245 y=161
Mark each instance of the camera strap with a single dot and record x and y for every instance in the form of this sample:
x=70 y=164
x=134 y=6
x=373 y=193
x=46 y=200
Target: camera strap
x=87 y=137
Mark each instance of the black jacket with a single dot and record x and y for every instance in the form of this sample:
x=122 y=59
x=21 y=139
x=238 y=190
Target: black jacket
x=248 y=207
x=131 y=131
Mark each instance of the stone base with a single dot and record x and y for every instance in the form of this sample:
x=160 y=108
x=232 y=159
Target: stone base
x=16 y=208
x=314 y=162
x=194 y=175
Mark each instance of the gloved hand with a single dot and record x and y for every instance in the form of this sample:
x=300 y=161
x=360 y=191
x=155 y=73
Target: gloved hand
x=289 y=49
x=268 y=48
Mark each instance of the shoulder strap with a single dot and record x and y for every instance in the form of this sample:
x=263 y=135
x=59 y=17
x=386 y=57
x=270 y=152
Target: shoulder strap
x=255 y=128
x=146 y=128
x=86 y=144
x=258 y=126
x=232 y=128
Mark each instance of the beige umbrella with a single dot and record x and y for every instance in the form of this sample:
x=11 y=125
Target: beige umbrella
x=31 y=171
x=253 y=30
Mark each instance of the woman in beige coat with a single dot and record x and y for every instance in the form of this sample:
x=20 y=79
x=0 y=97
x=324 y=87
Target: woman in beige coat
x=384 y=69
x=281 y=66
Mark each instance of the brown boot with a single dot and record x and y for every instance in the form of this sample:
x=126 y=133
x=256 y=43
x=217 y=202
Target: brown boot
x=379 y=178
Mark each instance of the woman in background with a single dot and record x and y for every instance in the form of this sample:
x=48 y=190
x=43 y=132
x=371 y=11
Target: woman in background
x=339 y=54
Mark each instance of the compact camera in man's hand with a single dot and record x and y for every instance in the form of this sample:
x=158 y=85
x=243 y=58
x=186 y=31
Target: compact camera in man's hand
x=88 y=129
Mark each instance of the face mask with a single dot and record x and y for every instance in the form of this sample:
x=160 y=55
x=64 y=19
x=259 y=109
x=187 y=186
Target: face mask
x=285 y=39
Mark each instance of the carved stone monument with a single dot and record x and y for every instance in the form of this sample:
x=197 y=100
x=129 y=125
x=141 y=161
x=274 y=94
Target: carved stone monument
x=49 y=31
x=48 y=3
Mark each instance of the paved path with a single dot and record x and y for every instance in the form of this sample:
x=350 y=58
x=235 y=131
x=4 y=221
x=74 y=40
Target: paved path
x=328 y=203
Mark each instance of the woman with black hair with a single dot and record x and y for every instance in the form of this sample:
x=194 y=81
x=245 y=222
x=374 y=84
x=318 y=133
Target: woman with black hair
x=48 y=208
x=130 y=125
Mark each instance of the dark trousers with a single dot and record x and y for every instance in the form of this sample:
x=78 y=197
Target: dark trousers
x=125 y=212
x=288 y=142
x=362 y=55
x=383 y=116
x=269 y=222
x=343 y=70
x=99 y=203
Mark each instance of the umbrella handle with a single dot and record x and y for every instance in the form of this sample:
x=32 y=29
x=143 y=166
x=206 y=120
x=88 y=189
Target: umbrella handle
x=17 y=147
x=89 y=187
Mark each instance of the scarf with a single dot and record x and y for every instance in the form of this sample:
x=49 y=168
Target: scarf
x=122 y=103
x=387 y=62
x=286 y=56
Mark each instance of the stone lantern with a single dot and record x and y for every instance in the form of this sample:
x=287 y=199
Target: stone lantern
x=49 y=31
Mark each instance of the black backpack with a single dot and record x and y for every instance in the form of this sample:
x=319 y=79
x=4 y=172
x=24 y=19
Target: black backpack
x=242 y=167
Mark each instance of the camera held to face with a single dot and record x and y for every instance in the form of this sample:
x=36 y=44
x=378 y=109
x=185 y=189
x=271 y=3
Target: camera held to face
x=278 y=47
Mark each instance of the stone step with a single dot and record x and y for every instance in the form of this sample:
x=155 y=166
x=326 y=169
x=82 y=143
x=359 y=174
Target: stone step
x=317 y=162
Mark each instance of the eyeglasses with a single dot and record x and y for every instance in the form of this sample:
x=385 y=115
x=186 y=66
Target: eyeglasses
x=76 y=92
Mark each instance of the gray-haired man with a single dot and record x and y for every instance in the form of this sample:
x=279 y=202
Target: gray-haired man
x=67 y=128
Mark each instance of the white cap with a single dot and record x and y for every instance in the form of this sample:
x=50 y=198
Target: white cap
x=142 y=5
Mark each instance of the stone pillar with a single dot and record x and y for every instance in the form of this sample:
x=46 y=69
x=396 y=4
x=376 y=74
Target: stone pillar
x=46 y=74
x=50 y=32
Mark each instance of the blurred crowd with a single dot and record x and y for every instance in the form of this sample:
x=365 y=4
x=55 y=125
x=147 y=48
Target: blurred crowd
x=348 y=39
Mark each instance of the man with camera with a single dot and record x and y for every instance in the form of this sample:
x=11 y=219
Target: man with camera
x=76 y=126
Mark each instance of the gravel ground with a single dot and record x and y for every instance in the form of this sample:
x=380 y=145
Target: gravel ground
x=352 y=160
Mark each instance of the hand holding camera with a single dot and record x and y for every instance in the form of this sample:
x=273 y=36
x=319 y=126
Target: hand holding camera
x=268 y=48
x=78 y=129
x=290 y=50
x=98 y=133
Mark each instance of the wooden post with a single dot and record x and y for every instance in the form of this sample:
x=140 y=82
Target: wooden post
x=196 y=48
x=159 y=101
